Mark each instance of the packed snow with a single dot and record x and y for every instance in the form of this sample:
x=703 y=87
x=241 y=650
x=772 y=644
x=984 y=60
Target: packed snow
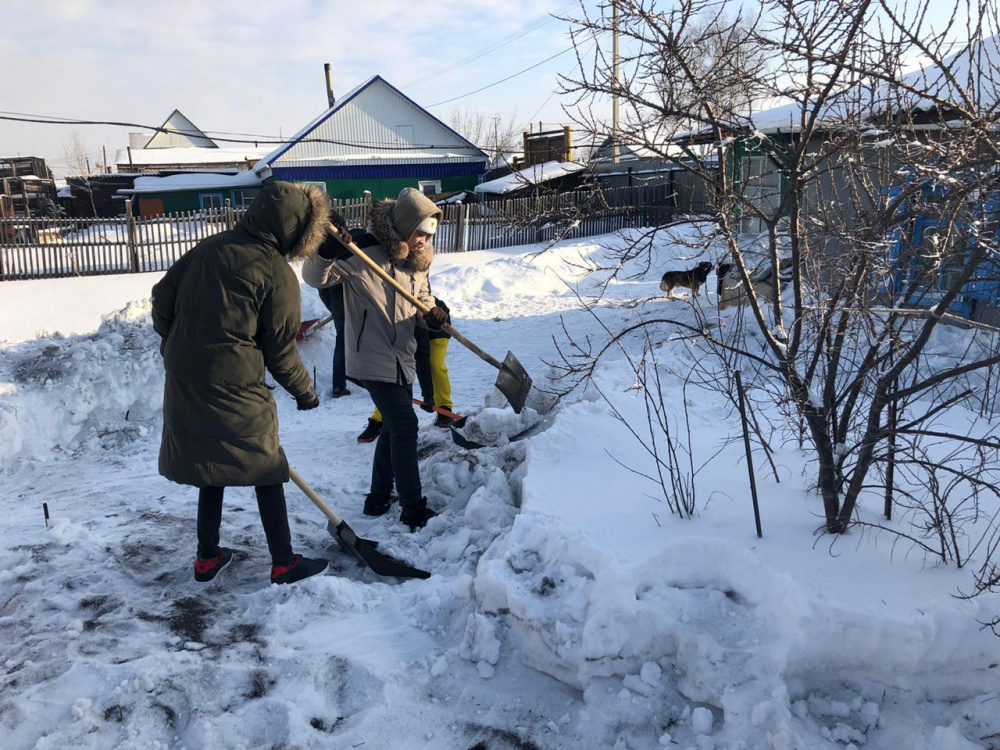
x=567 y=608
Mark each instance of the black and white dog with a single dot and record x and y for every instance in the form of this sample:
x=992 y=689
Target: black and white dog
x=693 y=278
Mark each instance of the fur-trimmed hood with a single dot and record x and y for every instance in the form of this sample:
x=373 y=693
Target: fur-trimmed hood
x=383 y=230
x=291 y=216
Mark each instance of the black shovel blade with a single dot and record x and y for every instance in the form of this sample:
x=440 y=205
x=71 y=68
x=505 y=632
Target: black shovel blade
x=514 y=382
x=461 y=440
x=365 y=550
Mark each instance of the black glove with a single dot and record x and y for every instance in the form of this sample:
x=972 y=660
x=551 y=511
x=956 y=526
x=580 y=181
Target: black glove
x=332 y=248
x=307 y=402
x=436 y=317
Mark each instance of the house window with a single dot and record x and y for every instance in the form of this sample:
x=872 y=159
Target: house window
x=430 y=187
x=211 y=200
x=243 y=198
x=320 y=185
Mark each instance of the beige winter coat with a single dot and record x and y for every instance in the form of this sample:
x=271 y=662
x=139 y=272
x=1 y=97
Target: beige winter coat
x=379 y=323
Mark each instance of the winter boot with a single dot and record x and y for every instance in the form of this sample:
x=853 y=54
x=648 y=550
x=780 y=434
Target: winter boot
x=443 y=421
x=207 y=570
x=371 y=433
x=417 y=516
x=377 y=504
x=301 y=567
x=340 y=392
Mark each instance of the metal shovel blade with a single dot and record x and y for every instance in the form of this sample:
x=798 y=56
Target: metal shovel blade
x=365 y=550
x=514 y=382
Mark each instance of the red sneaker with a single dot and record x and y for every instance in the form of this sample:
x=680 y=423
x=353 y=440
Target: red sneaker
x=207 y=570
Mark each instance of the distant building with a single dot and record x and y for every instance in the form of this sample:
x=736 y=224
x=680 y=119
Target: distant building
x=376 y=138
x=190 y=191
x=179 y=145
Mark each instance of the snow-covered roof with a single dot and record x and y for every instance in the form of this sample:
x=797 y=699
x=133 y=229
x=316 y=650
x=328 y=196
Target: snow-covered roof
x=533 y=175
x=375 y=121
x=64 y=191
x=190 y=155
x=965 y=70
x=194 y=181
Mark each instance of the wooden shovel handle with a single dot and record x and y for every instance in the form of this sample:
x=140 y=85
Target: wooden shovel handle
x=424 y=309
x=308 y=491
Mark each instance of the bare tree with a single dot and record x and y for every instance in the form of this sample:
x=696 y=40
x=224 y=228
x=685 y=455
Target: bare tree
x=872 y=195
x=75 y=155
x=489 y=132
x=78 y=165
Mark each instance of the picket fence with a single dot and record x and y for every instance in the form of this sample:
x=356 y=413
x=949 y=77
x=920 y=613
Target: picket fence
x=40 y=248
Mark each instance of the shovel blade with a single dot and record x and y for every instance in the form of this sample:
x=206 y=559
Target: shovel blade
x=304 y=328
x=514 y=382
x=365 y=551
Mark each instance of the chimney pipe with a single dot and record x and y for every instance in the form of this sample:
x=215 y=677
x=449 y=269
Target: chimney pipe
x=330 y=98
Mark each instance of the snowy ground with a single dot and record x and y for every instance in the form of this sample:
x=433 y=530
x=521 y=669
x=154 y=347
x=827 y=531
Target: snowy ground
x=567 y=609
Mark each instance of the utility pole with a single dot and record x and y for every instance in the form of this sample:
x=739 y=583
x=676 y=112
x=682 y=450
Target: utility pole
x=496 y=139
x=614 y=100
x=105 y=150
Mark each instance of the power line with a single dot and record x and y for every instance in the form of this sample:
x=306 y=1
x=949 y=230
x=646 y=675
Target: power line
x=504 y=80
x=49 y=120
x=512 y=37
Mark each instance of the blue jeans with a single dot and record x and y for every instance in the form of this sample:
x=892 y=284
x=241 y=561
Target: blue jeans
x=339 y=361
x=396 y=449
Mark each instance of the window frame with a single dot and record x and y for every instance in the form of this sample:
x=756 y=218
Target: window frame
x=421 y=184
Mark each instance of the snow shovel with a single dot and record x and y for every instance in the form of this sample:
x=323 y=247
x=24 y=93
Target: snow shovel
x=512 y=381
x=363 y=549
x=309 y=327
x=440 y=410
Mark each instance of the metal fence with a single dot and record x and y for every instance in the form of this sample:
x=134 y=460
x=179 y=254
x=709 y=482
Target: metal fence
x=49 y=248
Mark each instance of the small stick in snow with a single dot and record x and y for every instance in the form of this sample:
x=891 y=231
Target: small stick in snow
x=45 y=512
x=746 y=445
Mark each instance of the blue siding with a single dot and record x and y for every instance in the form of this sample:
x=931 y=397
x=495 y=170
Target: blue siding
x=379 y=171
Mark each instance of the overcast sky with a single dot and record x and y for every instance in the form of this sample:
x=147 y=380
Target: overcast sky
x=257 y=67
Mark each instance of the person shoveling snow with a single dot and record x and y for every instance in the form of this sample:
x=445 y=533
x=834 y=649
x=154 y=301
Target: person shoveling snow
x=228 y=312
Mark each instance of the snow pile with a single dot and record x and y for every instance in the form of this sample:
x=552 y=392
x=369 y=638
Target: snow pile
x=64 y=393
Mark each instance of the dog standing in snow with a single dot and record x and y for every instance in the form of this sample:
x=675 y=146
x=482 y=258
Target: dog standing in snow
x=693 y=278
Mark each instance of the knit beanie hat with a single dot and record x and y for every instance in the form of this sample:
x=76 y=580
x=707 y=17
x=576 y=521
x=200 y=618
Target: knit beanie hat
x=428 y=225
x=410 y=211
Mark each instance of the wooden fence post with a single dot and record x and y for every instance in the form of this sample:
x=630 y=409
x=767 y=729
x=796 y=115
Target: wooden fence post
x=366 y=215
x=463 y=213
x=133 y=250
x=230 y=220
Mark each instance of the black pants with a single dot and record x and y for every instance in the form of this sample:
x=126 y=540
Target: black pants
x=273 y=516
x=396 y=449
x=423 y=366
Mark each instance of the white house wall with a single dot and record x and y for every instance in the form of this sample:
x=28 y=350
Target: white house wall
x=377 y=124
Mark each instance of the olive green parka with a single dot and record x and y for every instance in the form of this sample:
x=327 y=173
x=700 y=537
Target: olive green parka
x=226 y=311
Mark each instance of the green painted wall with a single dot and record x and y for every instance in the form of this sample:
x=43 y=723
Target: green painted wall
x=188 y=200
